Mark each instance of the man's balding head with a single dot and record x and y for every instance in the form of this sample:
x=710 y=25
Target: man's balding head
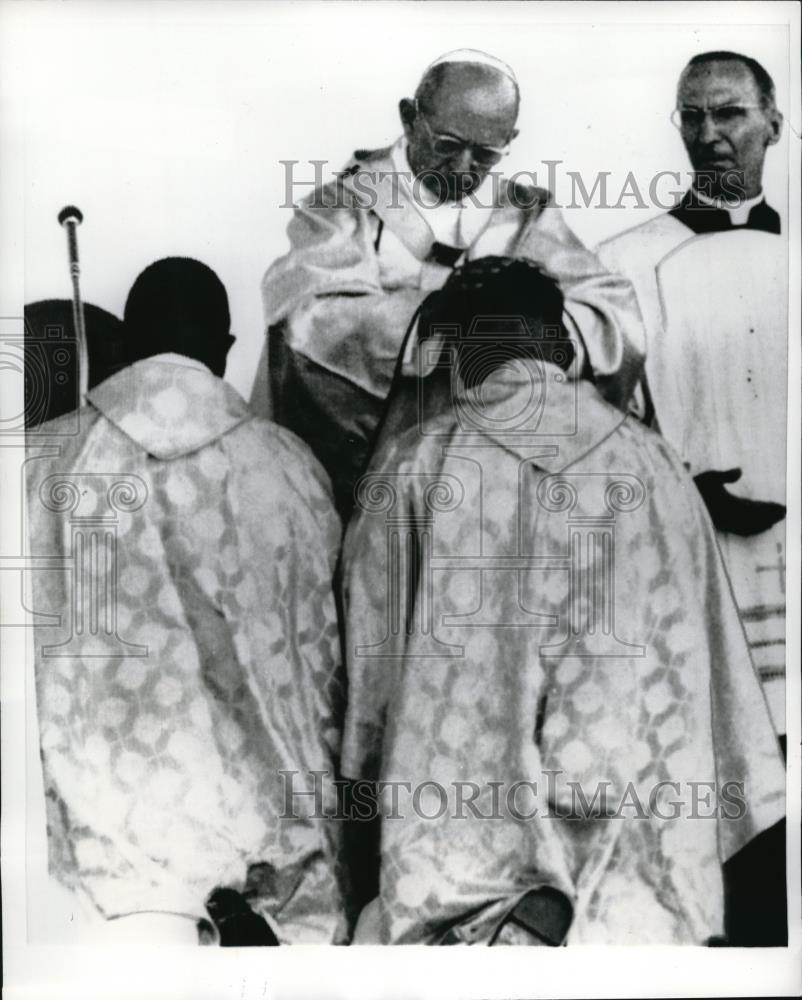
x=475 y=104
x=727 y=148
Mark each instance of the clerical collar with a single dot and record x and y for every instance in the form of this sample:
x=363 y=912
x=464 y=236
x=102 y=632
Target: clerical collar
x=739 y=214
x=454 y=223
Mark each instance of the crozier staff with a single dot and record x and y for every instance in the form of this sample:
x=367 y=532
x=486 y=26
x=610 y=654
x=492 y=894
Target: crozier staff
x=70 y=218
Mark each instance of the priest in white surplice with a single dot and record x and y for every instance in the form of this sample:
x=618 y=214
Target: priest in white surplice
x=727 y=117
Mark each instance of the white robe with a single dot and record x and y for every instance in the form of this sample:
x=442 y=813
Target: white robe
x=715 y=312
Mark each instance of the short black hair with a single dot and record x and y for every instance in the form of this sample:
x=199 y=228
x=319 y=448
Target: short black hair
x=763 y=81
x=178 y=304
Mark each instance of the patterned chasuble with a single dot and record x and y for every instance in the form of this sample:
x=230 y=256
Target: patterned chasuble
x=534 y=594
x=197 y=655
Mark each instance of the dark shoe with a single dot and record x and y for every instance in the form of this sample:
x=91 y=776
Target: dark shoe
x=544 y=913
x=236 y=923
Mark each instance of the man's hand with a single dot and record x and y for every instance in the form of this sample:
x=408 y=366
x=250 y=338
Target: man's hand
x=736 y=514
x=495 y=289
x=503 y=286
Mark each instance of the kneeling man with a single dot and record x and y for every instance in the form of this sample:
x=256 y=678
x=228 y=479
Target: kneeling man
x=547 y=671
x=192 y=650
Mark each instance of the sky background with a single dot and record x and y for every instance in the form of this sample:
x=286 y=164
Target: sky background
x=166 y=122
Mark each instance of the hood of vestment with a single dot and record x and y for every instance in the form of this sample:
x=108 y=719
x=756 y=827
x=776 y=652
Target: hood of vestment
x=169 y=409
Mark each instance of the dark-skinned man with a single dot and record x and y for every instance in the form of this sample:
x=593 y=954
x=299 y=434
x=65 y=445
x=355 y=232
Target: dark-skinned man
x=496 y=640
x=370 y=247
x=196 y=655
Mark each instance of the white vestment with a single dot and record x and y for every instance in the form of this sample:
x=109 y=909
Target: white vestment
x=715 y=311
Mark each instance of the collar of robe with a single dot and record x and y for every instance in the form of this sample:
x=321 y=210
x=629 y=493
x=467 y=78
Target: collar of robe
x=702 y=217
x=374 y=182
x=535 y=411
x=169 y=409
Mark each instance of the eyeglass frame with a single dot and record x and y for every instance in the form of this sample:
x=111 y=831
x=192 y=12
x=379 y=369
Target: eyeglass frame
x=498 y=152
x=676 y=119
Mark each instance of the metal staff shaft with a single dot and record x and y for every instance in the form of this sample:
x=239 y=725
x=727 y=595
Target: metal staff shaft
x=70 y=218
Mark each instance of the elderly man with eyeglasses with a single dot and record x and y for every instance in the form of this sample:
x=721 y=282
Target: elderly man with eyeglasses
x=370 y=247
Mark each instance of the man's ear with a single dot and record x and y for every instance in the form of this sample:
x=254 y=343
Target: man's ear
x=406 y=109
x=515 y=134
x=775 y=127
x=218 y=363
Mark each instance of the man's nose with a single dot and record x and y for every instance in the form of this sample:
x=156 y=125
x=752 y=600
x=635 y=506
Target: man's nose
x=463 y=162
x=709 y=131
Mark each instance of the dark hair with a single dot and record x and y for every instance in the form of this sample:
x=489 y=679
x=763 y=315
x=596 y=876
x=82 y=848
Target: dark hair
x=178 y=304
x=763 y=81
x=512 y=311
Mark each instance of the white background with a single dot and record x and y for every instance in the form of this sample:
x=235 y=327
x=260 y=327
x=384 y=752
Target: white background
x=166 y=122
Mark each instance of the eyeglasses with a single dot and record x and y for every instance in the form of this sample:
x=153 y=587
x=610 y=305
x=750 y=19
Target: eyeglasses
x=447 y=146
x=724 y=116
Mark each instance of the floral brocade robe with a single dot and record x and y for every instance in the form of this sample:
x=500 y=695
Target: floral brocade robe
x=547 y=669
x=197 y=654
